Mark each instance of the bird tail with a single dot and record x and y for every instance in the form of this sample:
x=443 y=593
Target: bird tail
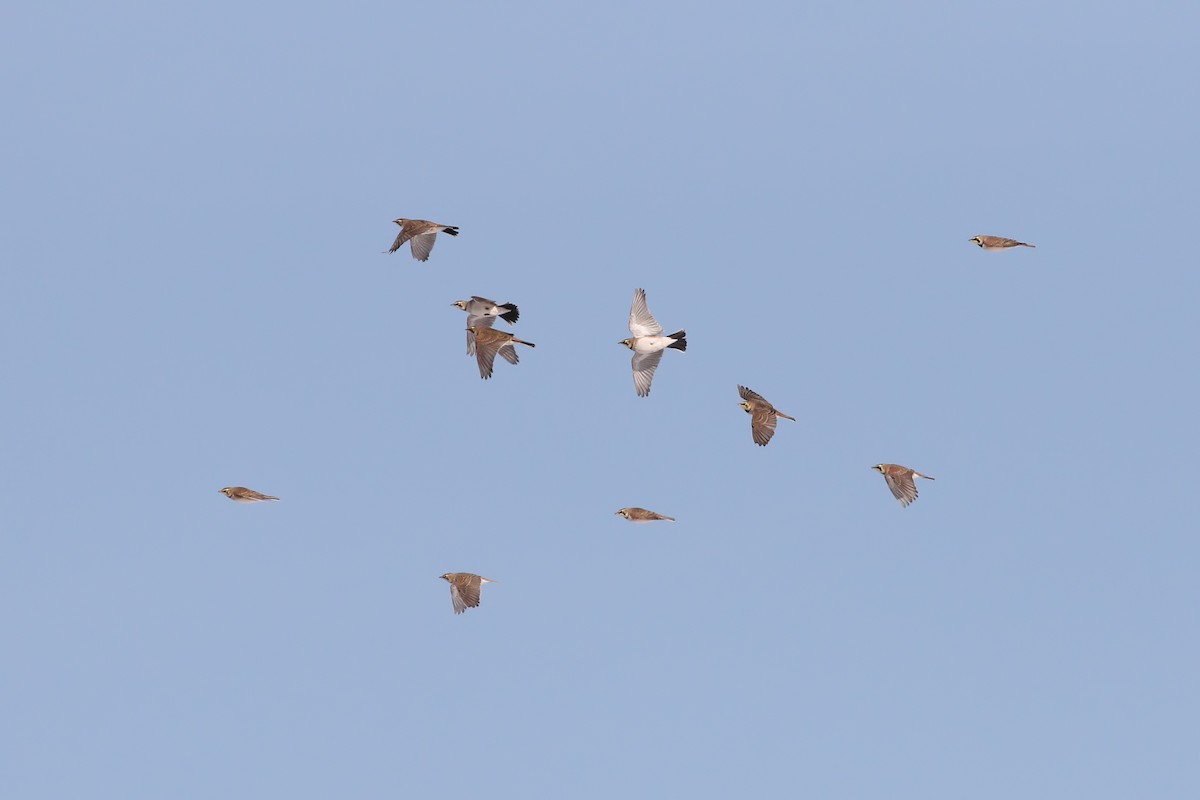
x=1023 y=244
x=779 y=413
x=511 y=314
x=519 y=341
x=269 y=497
x=451 y=229
x=926 y=477
x=664 y=516
x=680 y=342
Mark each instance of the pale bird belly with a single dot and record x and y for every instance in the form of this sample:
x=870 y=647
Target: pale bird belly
x=650 y=344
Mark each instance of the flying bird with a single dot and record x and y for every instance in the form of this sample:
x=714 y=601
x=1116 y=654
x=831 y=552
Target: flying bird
x=488 y=342
x=464 y=589
x=422 y=233
x=993 y=243
x=641 y=515
x=900 y=481
x=240 y=494
x=483 y=312
x=648 y=343
x=762 y=415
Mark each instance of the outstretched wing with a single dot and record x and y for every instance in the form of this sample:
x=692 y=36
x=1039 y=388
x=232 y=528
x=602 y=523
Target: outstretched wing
x=508 y=352
x=422 y=245
x=641 y=321
x=485 y=355
x=644 y=365
x=903 y=487
x=762 y=424
x=401 y=238
x=753 y=397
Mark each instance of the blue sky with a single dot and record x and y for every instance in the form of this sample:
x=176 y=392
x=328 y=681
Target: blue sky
x=196 y=202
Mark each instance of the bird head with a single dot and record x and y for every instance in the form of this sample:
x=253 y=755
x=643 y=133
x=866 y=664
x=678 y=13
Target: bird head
x=745 y=406
x=445 y=577
x=624 y=512
x=977 y=240
x=627 y=342
x=400 y=221
x=878 y=468
x=460 y=304
x=227 y=491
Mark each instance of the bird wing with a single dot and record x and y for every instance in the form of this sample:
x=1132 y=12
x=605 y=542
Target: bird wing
x=485 y=355
x=508 y=351
x=762 y=424
x=644 y=365
x=641 y=321
x=401 y=238
x=485 y=322
x=903 y=487
x=422 y=245
x=753 y=397
x=468 y=590
x=457 y=599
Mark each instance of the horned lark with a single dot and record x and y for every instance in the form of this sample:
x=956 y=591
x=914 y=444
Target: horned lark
x=762 y=415
x=240 y=494
x=488 y=342
x=900 y=481
x=422 y=232
x=648 y=343
x=481 y=311
x=464 y=589
x=997 y=242
x=641 y=515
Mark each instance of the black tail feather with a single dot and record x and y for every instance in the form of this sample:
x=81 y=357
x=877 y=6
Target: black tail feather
x=511 y=315
x=451 y=229
x=680 y=342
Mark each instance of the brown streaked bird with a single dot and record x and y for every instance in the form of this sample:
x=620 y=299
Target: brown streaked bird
x=762 y=415
x=900 y=481
x=997 y=242
x=464 y=589
x=641 y=515
x=240 y=494
x=489 y=342
x=481 y=311
x=422 y=233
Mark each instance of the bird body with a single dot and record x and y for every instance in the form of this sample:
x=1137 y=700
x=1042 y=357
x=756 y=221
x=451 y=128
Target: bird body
x=994 y=243
x=762 y=415
x=422 y=233
x=641 y=515
x=900 y=481
x=648 y=343
x=487 y=342
x=481 y=307
x=240 y=494
x=464 y=589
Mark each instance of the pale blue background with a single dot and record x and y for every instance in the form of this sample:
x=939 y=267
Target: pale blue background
x=196 y=198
